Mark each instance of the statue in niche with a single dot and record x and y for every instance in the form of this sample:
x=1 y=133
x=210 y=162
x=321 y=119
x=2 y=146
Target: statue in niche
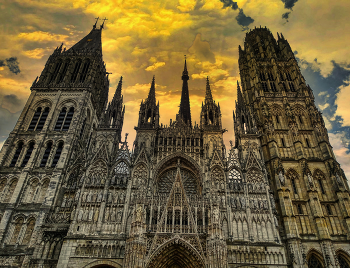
x=99 y=197
x=76 y=198
x=83 y=199
x=281 y=177
x=243 y=202
x=223 y=200
x=96 y=215
x=122 y=197
x=113 y=215
x=91 y=213
x=109 y=198
x=339 y=180
x=119 y=216
x=309 y=178
x=89 y=196
x=107 y=214
x=80 y=215
x=86 y=214
x=233 y=203
x=72 y=214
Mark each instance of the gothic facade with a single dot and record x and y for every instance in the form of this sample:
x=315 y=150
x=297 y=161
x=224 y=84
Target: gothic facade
x=73 y=194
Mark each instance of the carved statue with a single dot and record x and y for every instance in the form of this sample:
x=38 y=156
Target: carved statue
x=281 y=177
x=216 y=215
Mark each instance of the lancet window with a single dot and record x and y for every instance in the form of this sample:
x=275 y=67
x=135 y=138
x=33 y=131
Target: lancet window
x=34 y=125
x=57 y=154
x=46 y=154
x=217 y=179
x=17 y=154
x=314 y=262
x=29 y=231
x=76 y=71
x=84 y=71
x=64 y=71
x=140 y=175
x=28 y=154
x=56 y=70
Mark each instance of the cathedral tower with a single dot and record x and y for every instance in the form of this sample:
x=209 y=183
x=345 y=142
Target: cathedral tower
x=311 y=190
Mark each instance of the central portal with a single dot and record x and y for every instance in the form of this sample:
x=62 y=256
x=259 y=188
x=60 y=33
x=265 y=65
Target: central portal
x=176 y=256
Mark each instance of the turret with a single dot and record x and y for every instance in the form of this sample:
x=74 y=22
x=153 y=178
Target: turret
x=210 y=114
x=149 y=110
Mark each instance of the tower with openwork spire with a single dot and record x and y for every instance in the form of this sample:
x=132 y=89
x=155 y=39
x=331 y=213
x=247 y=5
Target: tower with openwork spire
x=185 y=110
x=311 y=190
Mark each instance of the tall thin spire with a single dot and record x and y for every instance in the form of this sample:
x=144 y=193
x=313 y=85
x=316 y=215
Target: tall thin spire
x=185 y=110
x=152 y=91
x=208 y=96
x=118 y=91
x=240 y=100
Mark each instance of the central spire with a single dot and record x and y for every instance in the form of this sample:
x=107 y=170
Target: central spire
x=185 y=110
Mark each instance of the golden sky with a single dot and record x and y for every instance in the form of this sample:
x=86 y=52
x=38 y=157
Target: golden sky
x=146 y=38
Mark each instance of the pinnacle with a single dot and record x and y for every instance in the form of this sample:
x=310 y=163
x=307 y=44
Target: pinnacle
x=152 y=91
x=208 y=95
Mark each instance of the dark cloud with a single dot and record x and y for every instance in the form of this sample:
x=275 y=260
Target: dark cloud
x=12 y=99
x=285 y=15
x=229 y=3
x=202 y=50
x=12 y=64
x=243 y=19
x=289 y=3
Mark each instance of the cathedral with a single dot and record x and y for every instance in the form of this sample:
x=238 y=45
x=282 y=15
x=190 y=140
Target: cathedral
x=75 y=193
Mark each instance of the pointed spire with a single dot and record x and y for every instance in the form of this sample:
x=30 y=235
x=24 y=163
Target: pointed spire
x=208 y=96
x=239 y=95
x=118 y=91
x=90 y=43
x=185 y=110
x=96 y=22
x=152 y=92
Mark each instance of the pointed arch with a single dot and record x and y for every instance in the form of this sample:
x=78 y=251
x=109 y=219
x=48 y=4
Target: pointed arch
x=97 y=173
x=343 y=258
x=315 y=259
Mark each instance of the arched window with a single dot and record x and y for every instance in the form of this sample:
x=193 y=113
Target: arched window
x=60 y=119
x=121 y=173
x=84 y=71
x=318 y=175
x=55 y=72
x=234 y=176
x=289 y=77
x=300 y=119
x=68 y=119
x=46 y=154
x=43 y=190
x=97 y=174
x=10 y=191
x=292 y=175
x=76 y=71
x=43 y=119
x=291 y=86
x=264 y=86
x=29 y=232
x=35 y=119
x=273 y=86
x=64 y=71
x=277 y=119
x=269 y=74
x=281 y=77
x=343 y=262
x=17 y=154
x=31 y=191
x=262 y=76
x=284 y=87
x=28 y=154
x=314 y=262
x=57 y=154
x=16 y=230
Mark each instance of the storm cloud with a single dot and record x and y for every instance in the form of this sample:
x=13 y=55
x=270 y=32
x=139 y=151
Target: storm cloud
x=229 y=3
x=11 y=63
x=243 y=19
x=285 y=15
x=289 y=3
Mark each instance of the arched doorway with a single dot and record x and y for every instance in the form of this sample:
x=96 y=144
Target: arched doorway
x=176 y=254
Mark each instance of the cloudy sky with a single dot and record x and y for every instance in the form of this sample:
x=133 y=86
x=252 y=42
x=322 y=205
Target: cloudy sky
x=145 y=38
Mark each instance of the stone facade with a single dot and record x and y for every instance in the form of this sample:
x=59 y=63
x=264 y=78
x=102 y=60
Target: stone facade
x=72 y=193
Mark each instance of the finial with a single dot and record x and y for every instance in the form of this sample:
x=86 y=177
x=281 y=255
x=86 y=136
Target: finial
x=96 y=22
x=126 y=136
x=103 y=22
